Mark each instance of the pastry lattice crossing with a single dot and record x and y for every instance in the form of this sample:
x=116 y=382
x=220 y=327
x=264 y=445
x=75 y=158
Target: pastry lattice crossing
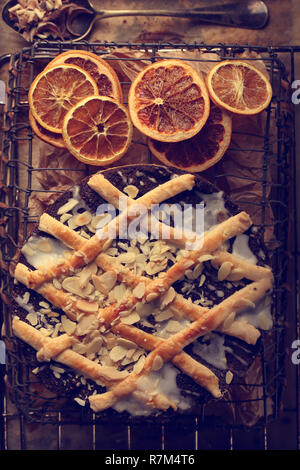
x=86 y=255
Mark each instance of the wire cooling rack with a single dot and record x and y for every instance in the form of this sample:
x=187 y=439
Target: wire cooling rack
x=69 y=427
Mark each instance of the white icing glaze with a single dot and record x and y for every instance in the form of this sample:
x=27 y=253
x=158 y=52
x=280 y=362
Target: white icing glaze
x=21 y=301
x=214 y=204
x=241 y=248
x=40 y=259
x=260 y=316
x=214 y=351
x=163 y=381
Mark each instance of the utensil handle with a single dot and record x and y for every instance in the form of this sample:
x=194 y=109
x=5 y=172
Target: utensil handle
x=248 y=14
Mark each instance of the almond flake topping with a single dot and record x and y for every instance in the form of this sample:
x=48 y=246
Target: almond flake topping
x=87 y=306
x=73 y=285
x=83 y=219
x=86 y=324
x=131 y=190
x=68 y=325
x=68 y=206
x=139 y=290
x=32 y=318
x=105 y=282
x=174 y=326
x=117 y=353
x=157 y=363
x=204 y=258
x=224 y=270
x=168 y=297
x=139 y=365
x=131 y=318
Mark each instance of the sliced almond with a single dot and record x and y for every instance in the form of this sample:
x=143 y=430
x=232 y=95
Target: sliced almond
x=110 y=373
x=99 y=221
x=118 y=293
x=202 y=280
x=130 y=353
x=126 y=258
x=206 y=257
x=86 y=274
x=68 y=325
x=32 y=318
x=86 y=324
x=106 y=282
x=152 y=296
x=110 y=340
x=26 y=298
x=228 y=377
x=163 y=316
x=157 y=363
x=168 y=297
x=139 y=290
x=131 y=319
x=197 y=271
x=139 y=365
x=73 y=285
x=137 y=354
x=94 y=346
x=224 y=270
x=86 y=306
x=68 y=206
x=126 y=343
x=131 y=190
x=117 y=353
x=65 y=217
x=235 y=275
x=173 y=326
x=57 y=284
x=83 y=219
x=72 y=224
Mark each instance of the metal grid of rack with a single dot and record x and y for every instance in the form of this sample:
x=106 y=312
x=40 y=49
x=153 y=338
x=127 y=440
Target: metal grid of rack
x=278 y=192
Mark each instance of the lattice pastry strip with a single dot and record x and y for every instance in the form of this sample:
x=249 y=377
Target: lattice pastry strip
x=90 y=248
x=204 y=377
x=57 y=349
x=169 y=348
x=162 y=350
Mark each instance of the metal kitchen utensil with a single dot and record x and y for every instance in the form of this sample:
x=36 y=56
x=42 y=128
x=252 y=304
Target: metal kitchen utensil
x=252 y=14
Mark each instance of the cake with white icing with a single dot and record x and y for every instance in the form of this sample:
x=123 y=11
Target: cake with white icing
x=141 y=326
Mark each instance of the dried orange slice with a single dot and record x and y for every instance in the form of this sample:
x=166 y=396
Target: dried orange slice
x=168 y=101
x=239 y=87
x=52 y=138
x=54 y=91
x=103 y=74
x=201 y=151
x=97 y=130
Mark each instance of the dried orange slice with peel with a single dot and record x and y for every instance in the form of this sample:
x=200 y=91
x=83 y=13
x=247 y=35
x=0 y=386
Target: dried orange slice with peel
x=55 y=90
x=203 y=150
x=97 y=130
x=104 y=75
x=239 y=87
x=168 y=101
x=49 y=137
